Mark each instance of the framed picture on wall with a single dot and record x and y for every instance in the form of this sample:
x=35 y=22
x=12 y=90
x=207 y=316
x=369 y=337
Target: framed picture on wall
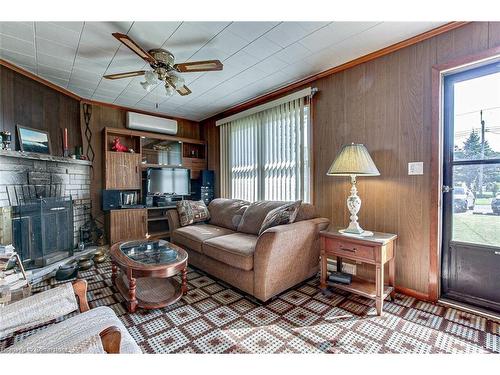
x=33 y=140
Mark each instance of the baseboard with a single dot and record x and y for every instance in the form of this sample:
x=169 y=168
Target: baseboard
x=413 y=293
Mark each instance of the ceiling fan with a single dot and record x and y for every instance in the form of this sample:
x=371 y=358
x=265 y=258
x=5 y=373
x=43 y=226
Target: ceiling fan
x=163 y=68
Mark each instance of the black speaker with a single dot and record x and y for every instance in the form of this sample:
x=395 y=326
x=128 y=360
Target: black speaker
x=111 y=200
x=207 y=178
x=207 y=194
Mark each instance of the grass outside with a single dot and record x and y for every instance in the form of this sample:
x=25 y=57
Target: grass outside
x=480 y=229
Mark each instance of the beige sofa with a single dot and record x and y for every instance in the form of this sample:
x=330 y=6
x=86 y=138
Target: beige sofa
x=229 y=247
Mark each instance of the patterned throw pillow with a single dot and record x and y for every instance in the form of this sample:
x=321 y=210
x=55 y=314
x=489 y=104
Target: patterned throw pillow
x=192 y=212
x=285 y=214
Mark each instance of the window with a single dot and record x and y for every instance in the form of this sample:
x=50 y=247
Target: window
x=266 y=155
x=472 y=160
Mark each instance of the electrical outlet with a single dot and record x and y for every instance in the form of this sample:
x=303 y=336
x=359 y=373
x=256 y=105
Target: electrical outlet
x=416 y=168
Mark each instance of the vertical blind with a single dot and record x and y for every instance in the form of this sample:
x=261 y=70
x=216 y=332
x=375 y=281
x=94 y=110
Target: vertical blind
x=265 y=156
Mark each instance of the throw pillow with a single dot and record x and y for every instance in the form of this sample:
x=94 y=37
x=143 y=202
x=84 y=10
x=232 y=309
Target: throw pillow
x=192 y=212
x=285 y=214
x=254 y=216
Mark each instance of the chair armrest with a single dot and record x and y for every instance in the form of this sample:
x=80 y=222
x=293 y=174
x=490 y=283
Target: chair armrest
x=173 y=220
x=80 y=290
x=38 y=309
x=111 y=339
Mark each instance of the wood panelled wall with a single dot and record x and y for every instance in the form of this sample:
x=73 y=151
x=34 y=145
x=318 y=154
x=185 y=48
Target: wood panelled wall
x=109 y=116
x=24 y=101
x=386 y=104
x=27 y=102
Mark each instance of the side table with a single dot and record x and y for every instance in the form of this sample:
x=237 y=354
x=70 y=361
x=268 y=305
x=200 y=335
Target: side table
x=377 y=250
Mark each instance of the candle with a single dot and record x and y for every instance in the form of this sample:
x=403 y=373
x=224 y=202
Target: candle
x=65 y=139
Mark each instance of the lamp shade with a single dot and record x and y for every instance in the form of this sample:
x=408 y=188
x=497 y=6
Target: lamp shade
x=353 y=160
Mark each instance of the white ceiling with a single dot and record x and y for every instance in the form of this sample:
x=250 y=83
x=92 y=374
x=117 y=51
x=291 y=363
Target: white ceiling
x=258 y=57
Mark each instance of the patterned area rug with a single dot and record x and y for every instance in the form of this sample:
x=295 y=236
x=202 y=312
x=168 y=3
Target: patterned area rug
x=215 y=318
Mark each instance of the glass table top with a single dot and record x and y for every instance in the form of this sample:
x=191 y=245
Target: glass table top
x=151 y=252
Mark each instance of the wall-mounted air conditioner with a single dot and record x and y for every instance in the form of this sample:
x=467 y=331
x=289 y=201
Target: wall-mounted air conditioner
x=138 y=121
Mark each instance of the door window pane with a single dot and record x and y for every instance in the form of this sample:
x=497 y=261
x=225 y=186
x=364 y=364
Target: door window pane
x=476 y=204
x=477 y=118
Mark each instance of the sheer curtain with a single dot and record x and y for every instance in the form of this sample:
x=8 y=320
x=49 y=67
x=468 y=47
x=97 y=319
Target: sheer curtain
x=266 y=155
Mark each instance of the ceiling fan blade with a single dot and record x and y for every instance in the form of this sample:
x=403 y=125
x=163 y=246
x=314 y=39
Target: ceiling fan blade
x=134 y=47
x=199 y=66
x=125 y=75
x=183 y=90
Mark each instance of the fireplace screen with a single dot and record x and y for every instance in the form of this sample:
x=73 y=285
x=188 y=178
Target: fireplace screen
x=43 y=230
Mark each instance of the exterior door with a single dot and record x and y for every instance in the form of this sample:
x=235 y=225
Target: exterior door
x=123 y=170
x=470 y=271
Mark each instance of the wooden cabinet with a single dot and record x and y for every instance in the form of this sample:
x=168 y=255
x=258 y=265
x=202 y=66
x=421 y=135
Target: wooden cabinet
x=195 y=165
x=122 y=171
x=193 y=157
x=127 y=224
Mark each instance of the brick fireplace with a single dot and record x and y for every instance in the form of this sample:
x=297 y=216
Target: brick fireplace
x=27 y=177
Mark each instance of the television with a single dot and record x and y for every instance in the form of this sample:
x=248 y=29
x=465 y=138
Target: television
x=170 y=181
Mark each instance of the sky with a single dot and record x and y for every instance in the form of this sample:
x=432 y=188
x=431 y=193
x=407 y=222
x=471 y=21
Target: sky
x=471 y=96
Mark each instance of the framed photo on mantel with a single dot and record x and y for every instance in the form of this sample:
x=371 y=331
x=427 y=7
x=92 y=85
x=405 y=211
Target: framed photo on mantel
x=33 y=140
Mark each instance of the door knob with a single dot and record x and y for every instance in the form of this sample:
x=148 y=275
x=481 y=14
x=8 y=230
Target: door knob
x=446 y=189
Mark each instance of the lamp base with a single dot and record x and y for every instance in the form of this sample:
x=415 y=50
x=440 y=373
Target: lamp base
x=354 y=204
x=364 y=233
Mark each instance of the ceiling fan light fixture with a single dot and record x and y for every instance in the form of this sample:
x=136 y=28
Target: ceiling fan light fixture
x=180 y=82
x=163 y=67
x=169 y=90
x=176 y=81
x=147 y=86
x=150 y=77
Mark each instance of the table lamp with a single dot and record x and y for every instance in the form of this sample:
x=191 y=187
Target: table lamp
x=354 y=160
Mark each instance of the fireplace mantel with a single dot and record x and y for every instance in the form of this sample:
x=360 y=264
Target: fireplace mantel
x=37 y=156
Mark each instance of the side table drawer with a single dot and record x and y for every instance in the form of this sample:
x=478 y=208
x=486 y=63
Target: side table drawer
x=342 y=248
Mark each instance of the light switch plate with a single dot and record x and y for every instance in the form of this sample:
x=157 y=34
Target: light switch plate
x=416 y=168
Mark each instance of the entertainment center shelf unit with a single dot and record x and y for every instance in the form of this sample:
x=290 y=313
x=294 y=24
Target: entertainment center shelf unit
x=123 y=171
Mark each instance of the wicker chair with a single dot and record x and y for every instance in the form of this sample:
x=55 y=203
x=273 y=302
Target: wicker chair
x=92 y=331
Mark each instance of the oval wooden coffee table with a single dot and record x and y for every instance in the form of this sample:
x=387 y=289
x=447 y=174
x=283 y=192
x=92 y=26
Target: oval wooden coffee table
x=143 y=271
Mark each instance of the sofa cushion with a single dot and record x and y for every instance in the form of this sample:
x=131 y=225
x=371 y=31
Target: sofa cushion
x=192 y=212
x=285 y=214
x=235 y=250
x=227 y=213
x=254 y=216
x=306 y=212
x=192 y=236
